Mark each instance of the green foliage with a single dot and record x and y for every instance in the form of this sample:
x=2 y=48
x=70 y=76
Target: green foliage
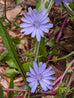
x=2 y=18
x=27 y=65
x=63 y=57
x=67 y=64
x=69 y=9
x=11 y=72
x=51 y=42
x=10 y=95
x=11 y=49
x=38 y=4
x=3 y=55
x=29 y=56
x=16 y=1
x=17 y=41
x=1 y=92
x=71 y=5
x=71 y=95
x=10 y=62
x=55 y=52
x=43 y=51
x=46 y=4
x=61 y=89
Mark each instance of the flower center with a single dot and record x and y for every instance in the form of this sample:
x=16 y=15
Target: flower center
x=38 y=77
x=36 y=24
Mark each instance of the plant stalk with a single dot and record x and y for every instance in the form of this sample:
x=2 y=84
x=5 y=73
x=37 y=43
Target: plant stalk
x=38 y=44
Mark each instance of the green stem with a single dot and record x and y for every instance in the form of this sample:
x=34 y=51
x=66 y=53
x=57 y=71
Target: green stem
x=5 y=8
x=71 y=79
x=29 y=94
x=5 y=11
x=50 y=6
x=38 y=44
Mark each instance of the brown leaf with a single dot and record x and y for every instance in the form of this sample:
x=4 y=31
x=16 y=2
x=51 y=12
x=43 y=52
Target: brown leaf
x=11 y=14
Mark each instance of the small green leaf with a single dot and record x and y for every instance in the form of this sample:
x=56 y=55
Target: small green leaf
x=67 y=64
x=38 y=4
x=51 y=42
x=1 y=92
x=11 y=72
x=10 y=62
x=71 y=5
x=27 y=66
x=17 y=40
x=55 y=52
x=3 y=55
x=10 y=95
x=46 y=3
x=61 y=89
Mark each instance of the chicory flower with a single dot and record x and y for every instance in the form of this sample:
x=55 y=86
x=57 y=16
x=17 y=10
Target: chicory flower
x=40 y=75
x=36 y=23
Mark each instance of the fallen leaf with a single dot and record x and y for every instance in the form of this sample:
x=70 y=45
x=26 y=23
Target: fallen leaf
x=11 y=14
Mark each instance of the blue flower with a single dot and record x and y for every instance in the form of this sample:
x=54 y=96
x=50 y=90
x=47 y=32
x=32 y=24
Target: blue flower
x=35 y=23
x=60 y=1
x=40 y=75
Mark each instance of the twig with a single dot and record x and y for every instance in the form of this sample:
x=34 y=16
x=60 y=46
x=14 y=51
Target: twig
x=43 y=4
x=71 y=79
x=61 y=30
x=52 y=36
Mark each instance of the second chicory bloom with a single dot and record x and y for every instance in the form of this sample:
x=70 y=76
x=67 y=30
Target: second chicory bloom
x=35 y=23
x=60 y=1
x=40 y=75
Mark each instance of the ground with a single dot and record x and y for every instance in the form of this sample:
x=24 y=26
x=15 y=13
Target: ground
x=12 y=11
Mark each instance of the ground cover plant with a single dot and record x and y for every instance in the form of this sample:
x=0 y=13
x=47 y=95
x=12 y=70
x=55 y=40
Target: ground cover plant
x=37 y=49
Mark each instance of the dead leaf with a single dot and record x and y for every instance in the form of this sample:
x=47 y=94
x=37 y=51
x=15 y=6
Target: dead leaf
x=3 y=82
x=11 y=14
x=18 y=79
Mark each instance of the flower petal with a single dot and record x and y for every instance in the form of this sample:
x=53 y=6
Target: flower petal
x=45 y=21
x=30 y=10
x=34 y=87
x=32 y=83
x=43 y=18
x=24 y=25
x=32 y=71
x=48 y=73
x=43 y=13
x=49 y=87
x=36 y=67
x=44 y=29
x=48 y=82
x=47 y=26
x=42 y=68
x=25 y=20
x=30 y=79
x=38 y=36
x=33 y=33
x=49 y=77
x=28 y=17
x=28 y=30
x=29 y=74
x=41 y=33
x=43 y=85
x=47 y=70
